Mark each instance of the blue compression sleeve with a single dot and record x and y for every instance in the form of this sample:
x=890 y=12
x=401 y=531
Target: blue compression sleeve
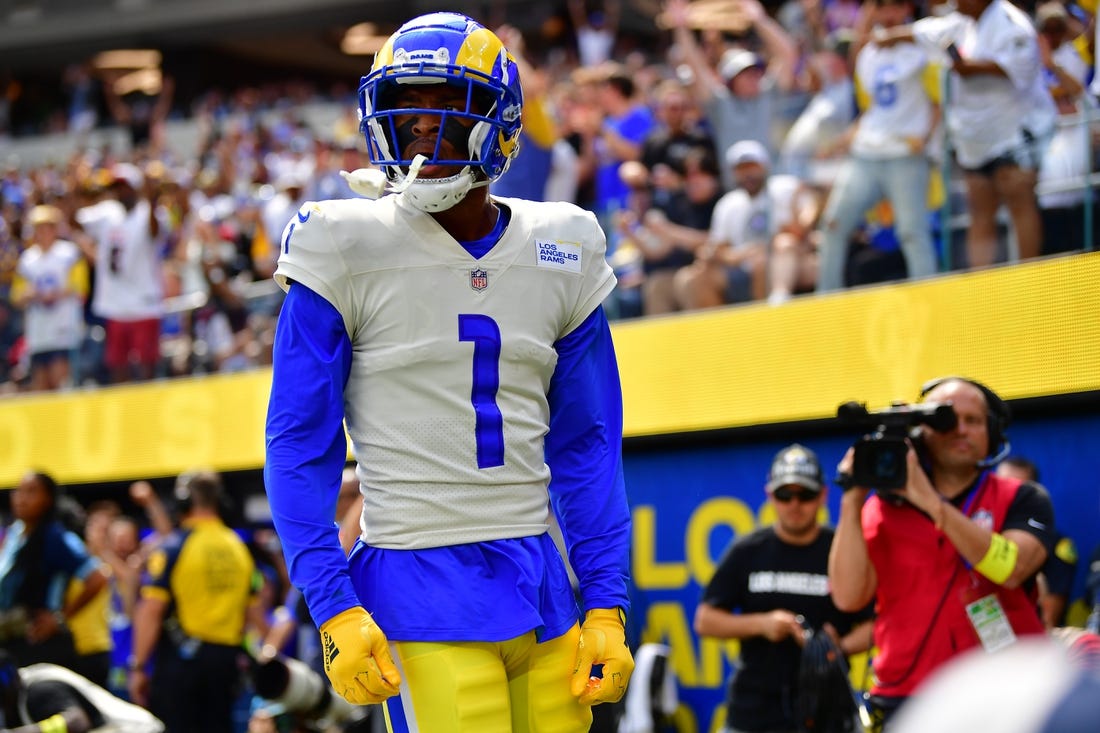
x=306 y=448
x=584 y=452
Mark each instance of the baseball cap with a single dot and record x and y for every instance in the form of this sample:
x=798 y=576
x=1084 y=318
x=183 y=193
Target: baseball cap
x=44 y=214
x=795 y=465
x=747 y=151
x=1048 y=11
x=736 y=60
x=127 y=173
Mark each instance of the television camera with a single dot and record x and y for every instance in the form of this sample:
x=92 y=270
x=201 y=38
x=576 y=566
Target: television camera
x=879 y=456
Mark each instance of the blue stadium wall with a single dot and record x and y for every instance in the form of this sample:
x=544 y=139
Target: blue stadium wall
x=709 y=398
x=689 y=502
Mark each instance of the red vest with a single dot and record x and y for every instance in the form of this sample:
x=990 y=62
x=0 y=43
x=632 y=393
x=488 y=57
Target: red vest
x=924 y=586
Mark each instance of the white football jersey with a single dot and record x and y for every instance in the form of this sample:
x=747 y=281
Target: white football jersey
x=59 y=326
x=986 y=113
x=741 y=220
x=129 y=284
x=900 y=107
x=446 y=401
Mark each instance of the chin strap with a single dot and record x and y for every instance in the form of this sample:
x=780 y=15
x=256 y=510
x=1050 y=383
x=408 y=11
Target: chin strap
x=372 y=182
x=368 y=182
x=435 y=194
x=410 y=178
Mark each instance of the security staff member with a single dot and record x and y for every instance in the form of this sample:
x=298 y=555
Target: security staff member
x=197 y=594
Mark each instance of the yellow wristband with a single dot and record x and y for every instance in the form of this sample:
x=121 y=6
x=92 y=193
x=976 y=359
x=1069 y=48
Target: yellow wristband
x=999 y=560
x=54 y=724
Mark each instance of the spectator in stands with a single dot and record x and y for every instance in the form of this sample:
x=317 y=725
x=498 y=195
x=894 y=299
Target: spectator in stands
x=739 y=96
x=10 y=340
x=617 y=138
x=140 y=102
x=999 y=116
x=277 y=212
x=678 y=133
x=121 y=236
x=38 y=558
x=596 y=31
x=83 y=92
x=675 y=225
x=51 y=285
x=327 y=183
x=11 y=244
x=827 y=115
x=758 y=245
x=1055 y=580
x=531 y=173
x=632 y=241
x=888 y=150
x=1067 y=160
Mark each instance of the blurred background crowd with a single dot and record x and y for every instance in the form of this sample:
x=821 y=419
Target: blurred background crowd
x=142 y=207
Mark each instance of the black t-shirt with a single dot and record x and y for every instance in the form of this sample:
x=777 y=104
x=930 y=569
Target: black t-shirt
x=663 y=146
x=679 y=209
x=761 y=573
x=1032 y=511
x=50 y=697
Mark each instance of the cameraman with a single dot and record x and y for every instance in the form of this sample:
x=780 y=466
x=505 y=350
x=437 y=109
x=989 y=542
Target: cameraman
x=950 y=557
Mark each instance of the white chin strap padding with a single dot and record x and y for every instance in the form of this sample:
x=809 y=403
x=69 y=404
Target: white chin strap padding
x=435 y=194
x=410 y=177
x=426 y=194
x=368 y=182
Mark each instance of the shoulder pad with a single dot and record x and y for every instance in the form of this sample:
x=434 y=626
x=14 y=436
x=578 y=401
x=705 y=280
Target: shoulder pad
x=310 y=250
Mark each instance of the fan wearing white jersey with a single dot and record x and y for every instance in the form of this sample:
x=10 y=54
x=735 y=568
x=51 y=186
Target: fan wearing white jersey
x=129 y=289
x=460 y=338
x=887 y=153
x=998 y=113
x=51 y=284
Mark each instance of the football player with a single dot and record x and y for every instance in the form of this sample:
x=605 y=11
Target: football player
x=460 y=338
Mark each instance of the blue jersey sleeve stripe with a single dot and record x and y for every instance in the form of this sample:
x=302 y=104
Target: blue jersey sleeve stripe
x=584 y=453
x=306 y=448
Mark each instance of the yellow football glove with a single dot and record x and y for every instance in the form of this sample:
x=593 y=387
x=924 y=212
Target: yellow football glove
x=357 y=658
x=603 y=641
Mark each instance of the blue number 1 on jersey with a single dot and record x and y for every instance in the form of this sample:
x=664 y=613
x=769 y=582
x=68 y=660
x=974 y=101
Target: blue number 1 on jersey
x=488 y=422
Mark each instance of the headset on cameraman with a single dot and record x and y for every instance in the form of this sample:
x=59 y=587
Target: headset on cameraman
x=998 y=417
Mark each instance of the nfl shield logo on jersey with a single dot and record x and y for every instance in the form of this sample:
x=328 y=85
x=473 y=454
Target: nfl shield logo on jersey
x=479 y=280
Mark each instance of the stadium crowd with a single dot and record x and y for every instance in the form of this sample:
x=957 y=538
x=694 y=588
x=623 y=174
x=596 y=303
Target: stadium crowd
x=728 y=161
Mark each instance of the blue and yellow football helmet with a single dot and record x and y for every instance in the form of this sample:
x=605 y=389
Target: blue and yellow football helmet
x=444 y=48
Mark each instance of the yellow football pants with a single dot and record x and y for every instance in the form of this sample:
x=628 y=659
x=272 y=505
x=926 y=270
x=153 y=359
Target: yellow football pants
x=514 y=686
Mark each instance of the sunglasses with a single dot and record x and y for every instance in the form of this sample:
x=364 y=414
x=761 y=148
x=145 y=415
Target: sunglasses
x=784 y=495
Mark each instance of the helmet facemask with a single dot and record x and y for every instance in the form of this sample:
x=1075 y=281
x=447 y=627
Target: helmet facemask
x=484 y=127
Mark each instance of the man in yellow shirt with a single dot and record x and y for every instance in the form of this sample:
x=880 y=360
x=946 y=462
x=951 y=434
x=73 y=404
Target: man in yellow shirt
x=196 y=598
